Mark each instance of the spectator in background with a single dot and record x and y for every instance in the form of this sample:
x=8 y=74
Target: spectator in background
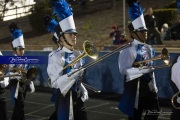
x=175 y=30
x=151 y=24
x=116 y=34
x=82 y=3
x=164 y=31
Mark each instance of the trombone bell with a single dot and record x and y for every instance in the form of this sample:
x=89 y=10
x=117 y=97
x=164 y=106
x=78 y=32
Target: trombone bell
x=89 y=50
x=175 y=100
x=166 y=62
x=163 y=56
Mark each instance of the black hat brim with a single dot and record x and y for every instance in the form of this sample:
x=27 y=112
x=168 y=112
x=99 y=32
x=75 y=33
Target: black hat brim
x=70 y=31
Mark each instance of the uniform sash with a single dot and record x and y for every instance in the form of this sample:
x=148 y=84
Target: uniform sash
x=65 y=107
x=14 y=89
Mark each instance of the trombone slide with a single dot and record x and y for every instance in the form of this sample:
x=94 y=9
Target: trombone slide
x=91 y=88
x=103 y=57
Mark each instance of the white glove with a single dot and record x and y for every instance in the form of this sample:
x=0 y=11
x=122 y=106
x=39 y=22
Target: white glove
x=84 y=92
x=77 y=74
x=146 y=69
x=15 y=77
x=134 y=73
x=31 y=85
x=13 y=73
x=85 y=96
x=65 y=82
x=5 y=82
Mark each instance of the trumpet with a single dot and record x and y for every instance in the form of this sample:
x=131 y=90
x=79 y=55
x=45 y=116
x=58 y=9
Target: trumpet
x=163 y=56
x=89 y=50
x=175 y=100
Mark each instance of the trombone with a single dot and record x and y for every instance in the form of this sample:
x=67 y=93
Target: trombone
x=163 y=56
x=89 y=50
x=125 y=45
x=175 y=100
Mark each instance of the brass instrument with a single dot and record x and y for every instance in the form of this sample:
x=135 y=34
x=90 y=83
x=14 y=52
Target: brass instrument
x=28 y=75
x=118 y=49
x=163 y=56
x=3 y=69
x=175 y=100
x=123 y=46
x=89 y=50
x=86 y=85
x=19 y=70
x=91 y=88
x=32 y=74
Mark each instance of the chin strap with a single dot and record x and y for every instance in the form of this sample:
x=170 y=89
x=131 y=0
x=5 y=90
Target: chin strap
x=66 y=40
x=139 y=37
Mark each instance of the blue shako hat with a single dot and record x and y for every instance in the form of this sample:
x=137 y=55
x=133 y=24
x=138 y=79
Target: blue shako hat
x=17 y=35
x=136 y=16
x=52 y=26
x=64 y=13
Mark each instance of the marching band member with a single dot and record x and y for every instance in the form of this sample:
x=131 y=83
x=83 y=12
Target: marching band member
x=3 y=83
x=175 y=79
x=71 y=93
x=175 y=84
x=140 y=91
x=18 y=87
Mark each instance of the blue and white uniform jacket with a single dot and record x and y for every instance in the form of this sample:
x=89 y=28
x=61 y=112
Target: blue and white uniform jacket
x=136 y=52
x=60 y=80
x=175 y=73
x=56 y=62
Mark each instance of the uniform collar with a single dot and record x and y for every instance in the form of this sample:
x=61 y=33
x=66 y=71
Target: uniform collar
x=1 y=53
x=136 y=42
x=67 y=50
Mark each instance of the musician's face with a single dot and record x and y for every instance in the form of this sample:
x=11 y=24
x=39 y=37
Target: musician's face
x=141 y=36
x=71 y=38
x=150 y=11
x=20 y=51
